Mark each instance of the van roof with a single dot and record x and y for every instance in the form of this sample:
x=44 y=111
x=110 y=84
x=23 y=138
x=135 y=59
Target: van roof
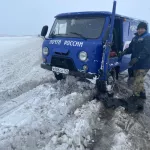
x=93 y=13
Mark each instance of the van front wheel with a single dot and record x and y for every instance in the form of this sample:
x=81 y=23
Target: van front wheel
x=58 y=76
x=101 y=86
x=111 y=82
x=107 y=86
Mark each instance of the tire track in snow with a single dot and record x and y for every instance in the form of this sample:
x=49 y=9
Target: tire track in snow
x=26 y=85
x=39 y=115
x=13 y=104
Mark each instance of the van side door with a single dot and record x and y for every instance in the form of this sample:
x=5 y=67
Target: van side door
x=126 y=41
x=129 y=30
x=105 y=57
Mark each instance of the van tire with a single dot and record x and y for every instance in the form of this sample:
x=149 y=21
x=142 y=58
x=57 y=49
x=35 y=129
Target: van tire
x=112 y=82
x=58 y=76
x=117 y=72
x=101 y=86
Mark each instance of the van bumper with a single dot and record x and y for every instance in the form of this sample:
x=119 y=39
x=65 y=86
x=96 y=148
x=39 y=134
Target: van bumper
x=72 y=73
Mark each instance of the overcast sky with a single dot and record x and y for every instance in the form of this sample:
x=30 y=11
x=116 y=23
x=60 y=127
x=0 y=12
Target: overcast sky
x=28 y=16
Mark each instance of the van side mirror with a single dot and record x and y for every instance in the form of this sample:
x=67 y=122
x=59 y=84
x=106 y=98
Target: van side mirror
x=44 y=31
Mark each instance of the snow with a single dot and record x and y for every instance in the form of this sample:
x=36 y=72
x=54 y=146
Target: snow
x=93 y=80
x=7 y=43
x=33 y=105
x=77 y=130
x=20 y=69
x=39 y=113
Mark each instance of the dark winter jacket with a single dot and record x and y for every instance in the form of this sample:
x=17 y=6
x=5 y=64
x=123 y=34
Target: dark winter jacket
x=140 y=48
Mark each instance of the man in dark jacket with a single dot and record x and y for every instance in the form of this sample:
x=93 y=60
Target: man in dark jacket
x=139 y=48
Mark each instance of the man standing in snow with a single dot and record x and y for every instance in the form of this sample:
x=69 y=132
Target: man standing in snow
x=139 y=48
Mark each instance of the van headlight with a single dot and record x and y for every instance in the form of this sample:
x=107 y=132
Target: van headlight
x=83 y=56
x=45 y=51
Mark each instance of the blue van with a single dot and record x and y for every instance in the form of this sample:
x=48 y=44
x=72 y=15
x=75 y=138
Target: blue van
x=87 y=44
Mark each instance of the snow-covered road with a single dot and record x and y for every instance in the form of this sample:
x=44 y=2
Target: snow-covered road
x=39 y=113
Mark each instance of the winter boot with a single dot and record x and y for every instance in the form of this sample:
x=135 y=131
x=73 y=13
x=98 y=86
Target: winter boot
x=142 y=95
x=135 y=104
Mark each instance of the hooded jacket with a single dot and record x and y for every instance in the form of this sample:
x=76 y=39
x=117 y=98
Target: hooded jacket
x=140 y=48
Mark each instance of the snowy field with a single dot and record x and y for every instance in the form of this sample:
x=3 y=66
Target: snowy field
x=39 y=113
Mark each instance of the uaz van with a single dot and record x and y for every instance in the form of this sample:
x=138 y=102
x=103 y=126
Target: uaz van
x=87 y=44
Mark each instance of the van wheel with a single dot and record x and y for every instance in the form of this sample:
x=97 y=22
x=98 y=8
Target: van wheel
x=107 y=86
x=101 y=86
x=111 y=82
x=58 y=76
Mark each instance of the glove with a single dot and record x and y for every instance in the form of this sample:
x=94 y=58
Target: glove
x=133 y=61
x=120 y=54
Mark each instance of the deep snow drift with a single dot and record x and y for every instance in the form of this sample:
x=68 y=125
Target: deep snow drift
x=39 y=113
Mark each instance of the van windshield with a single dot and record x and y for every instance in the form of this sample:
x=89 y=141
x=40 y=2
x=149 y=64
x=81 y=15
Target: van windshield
x=88 y=28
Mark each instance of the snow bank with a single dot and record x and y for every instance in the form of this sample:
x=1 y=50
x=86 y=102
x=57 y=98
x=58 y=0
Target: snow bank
x=77 y=130
x=120 y=140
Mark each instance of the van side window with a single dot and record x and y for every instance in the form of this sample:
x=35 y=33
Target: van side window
x=117 y=37
x=133 y=27
x=61 y=27
x=126 y=30
x=129 y=29
x=114 y=48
